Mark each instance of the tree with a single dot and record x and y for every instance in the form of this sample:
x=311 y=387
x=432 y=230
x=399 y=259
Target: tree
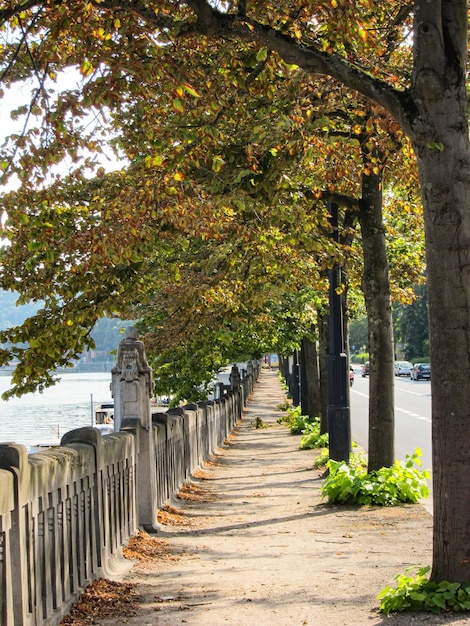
x=425 y=93
x=412 y=325
x=430 y=104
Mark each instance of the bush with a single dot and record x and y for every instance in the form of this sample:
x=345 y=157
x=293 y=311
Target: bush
x=295 y=421
x=356 y=458
x=388 y=486
x=322 y=459
x=312 y=438
x=422 y=594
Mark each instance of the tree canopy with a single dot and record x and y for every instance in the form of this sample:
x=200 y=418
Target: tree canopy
x=88 y=238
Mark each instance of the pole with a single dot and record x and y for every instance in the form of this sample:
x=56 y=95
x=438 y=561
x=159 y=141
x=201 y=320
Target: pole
x=339 y=427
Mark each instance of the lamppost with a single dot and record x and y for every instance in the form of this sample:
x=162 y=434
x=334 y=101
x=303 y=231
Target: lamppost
x=339 y=426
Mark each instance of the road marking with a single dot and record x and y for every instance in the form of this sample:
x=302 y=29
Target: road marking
x=415 y=415
x=397 y=408
x=364 y=395
x=413 y=393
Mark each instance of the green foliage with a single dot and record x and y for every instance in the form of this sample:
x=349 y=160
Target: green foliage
x=356 y=459
x=358 y=336
x=388 y=486
x=295 y=421
x=322 y=459
x=284 y=406
x=419 y=593
x=362 y=357
x=411 y=325
x=312 y=437
x=309 y=427
x=259 y=423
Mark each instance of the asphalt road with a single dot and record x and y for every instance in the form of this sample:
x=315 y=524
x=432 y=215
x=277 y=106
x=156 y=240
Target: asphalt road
x=412 y=416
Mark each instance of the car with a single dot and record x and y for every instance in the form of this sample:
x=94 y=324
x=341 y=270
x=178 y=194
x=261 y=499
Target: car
x=403 y=368
x=421 y=371
x=365 y=369
x=351 y=375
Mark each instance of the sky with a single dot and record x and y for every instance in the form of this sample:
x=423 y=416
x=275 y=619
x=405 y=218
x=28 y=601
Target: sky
x=21 y=94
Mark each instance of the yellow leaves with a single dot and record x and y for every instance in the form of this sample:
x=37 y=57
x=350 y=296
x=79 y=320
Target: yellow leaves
x=180 y=91
x=101 y=34
x=217 y=163
x=191 y=91
x=317 y=193
x=154 y=161
x=262 y=54
x=178 y=176
x=178 y=105
x=86 y=68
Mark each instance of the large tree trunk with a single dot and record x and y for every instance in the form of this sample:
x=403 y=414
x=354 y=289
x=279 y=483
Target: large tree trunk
x=310 y=380
x=447 y=202
x=440 y=138
x=376 y=289
x=445 y=179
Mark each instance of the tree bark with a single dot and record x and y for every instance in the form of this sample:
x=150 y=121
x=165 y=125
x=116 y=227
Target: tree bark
x=310 y=381
x=440 y=138
x=377 y=296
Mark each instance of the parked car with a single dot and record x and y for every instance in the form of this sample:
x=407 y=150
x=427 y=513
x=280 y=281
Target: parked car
x=421 y=371
x=365 y=369
x=351 y=375
x=403 y=368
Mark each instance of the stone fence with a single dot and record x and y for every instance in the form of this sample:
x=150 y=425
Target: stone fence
x=67 y=512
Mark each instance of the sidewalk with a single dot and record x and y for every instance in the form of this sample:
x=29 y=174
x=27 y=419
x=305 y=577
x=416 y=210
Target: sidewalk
x=251 y=542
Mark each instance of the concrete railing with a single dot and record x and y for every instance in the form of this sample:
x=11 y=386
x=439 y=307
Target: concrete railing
x=66 y=513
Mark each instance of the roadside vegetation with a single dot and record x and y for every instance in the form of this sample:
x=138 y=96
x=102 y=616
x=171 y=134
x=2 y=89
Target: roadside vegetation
x=419 y=593
x=351 y=483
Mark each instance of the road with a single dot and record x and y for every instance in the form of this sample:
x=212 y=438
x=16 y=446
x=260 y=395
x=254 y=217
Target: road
x=412 y=416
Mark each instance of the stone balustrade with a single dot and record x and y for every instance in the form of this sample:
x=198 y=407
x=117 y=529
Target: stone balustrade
x=67 y=512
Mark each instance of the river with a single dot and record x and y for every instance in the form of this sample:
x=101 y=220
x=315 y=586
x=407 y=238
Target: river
x=45 y=417
x=38 y=417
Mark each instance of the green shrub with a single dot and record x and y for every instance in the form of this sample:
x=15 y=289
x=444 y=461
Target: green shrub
x=312 y=438
x=322 y=459
x=400 y=483
x=295 y=421
x=356 y=458
x=422 y=594
x=284 y=406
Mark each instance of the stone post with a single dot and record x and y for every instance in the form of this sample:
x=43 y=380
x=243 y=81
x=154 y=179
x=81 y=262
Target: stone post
x=132 y=389
x=132 y=384
x=235 y=378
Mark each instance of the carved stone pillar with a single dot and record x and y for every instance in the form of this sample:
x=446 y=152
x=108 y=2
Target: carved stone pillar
x=132 y=389
x=132 y=384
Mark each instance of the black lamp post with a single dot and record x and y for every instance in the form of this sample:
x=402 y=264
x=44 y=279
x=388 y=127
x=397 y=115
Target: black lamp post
x=339 y=426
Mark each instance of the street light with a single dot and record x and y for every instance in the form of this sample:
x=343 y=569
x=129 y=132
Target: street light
x=339 y=426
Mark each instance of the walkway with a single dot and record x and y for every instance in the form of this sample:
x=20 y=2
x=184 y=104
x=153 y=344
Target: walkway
x=252 y=543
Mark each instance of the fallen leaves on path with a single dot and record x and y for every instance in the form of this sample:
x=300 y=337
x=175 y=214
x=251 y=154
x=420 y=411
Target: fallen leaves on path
x=191 y=491
x=103 y=598
x=143 y=547
x=111 y=599
x=170 y=516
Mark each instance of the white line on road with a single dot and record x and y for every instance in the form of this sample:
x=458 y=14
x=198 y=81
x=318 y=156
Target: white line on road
x=397 y=408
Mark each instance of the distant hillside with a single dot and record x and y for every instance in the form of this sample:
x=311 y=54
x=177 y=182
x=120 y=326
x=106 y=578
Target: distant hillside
x=12 y=315
x=107 y=332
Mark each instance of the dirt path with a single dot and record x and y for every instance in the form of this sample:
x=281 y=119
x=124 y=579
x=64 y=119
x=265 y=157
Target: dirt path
x=250 y=542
